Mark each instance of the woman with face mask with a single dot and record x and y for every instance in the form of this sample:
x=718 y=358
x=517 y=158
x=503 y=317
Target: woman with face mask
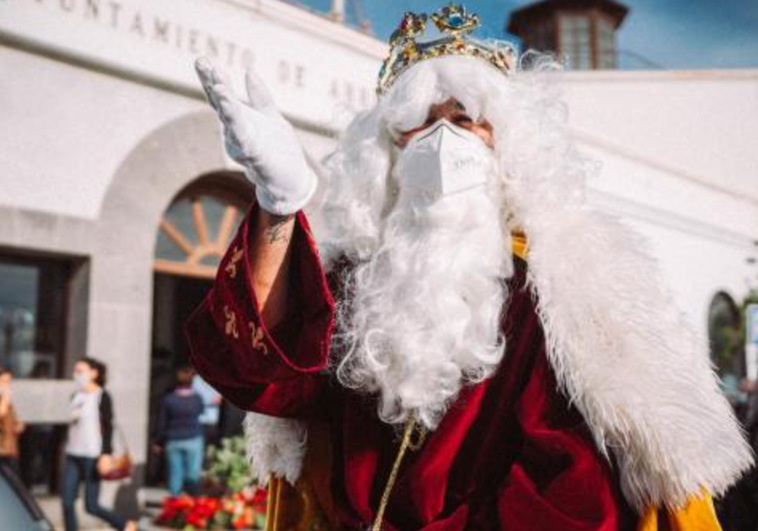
x=89 y=445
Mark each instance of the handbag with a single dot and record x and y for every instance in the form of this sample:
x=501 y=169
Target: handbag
x=121 y=464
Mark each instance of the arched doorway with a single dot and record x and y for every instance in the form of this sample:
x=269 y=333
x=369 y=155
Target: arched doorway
x=193 y=235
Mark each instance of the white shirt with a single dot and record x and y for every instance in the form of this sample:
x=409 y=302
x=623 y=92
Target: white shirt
x=210 y=398
x=85 y=438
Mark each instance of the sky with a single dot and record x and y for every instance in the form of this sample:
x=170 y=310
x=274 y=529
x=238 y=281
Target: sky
x=673 y=34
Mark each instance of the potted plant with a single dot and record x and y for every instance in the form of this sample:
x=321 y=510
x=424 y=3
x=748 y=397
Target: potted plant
x=231 y=498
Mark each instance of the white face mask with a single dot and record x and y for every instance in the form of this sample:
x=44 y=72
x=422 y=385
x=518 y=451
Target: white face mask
x=82 y=379
x=444 y=159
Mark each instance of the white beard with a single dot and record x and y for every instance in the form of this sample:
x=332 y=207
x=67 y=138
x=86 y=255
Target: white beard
x=422 y=316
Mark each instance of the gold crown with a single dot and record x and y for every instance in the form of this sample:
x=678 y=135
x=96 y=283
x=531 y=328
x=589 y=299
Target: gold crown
x=455 y=25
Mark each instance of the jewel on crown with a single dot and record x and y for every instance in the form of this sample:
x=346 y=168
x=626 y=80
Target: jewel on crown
x=455 y=25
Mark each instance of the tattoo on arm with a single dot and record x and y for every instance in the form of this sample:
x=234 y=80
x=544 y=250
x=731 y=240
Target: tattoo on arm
x=276 y=233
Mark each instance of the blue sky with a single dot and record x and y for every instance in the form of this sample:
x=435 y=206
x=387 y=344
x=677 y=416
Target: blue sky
x=676 y=34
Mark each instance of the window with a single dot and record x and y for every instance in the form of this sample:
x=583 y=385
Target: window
x=606 y=44
x=575 y=40
x=539 y=35
x=33 y=295
x=194 y=233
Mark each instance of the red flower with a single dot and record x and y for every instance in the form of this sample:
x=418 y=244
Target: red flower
x=240 y=510
x=197 y=521
x=260 y=497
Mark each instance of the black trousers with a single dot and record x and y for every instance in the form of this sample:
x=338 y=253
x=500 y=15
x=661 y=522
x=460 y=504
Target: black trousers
x=75 y=471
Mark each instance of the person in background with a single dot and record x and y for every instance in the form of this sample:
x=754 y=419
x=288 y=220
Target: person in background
x=209 y=420
x=179 y=434
x=10 y=425
x=89 y=446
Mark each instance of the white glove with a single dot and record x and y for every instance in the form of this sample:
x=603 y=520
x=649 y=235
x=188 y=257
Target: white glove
x=258 y=137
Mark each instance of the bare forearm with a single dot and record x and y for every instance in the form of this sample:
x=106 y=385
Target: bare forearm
x=269 y=263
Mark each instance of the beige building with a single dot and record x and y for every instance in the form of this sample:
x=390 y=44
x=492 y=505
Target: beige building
x=116 y=197
x=117 y=200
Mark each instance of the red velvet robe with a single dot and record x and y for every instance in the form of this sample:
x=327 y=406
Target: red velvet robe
x=511 y=453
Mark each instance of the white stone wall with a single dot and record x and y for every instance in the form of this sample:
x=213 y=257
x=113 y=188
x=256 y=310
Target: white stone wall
x=65 y=131
x=316 y=68
x=98 y=139
x=679 y=163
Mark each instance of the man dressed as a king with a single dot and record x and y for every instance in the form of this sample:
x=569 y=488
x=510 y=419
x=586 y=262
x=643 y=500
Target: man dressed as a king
x=460 y=343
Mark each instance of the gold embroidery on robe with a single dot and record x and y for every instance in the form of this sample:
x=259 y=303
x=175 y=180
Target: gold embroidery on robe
x=519 y=244
x=231 y=267
x=230 y=327
x=256 y=338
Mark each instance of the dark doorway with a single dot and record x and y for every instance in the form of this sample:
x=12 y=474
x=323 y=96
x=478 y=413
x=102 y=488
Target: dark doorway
x=174 y=299
x=195 y=232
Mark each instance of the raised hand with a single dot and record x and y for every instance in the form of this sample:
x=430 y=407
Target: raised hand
x=260 y=139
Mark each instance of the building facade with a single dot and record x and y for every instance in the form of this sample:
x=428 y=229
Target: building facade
x=582 y=32
x=116 y=196
x=117 y=199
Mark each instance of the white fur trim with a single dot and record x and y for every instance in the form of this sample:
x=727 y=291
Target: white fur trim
x=626 y=357
x=275 y=446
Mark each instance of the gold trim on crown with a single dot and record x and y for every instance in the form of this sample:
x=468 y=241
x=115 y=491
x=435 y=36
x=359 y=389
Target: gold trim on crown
x=455 y=24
